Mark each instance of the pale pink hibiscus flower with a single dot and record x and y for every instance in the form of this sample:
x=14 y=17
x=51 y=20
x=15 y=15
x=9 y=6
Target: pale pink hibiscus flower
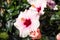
x=36 y=34
x=26 y=22
x=58 y=36
x=39 y=5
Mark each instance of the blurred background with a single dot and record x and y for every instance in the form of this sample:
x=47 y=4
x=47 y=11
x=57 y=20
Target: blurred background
x=9 y=11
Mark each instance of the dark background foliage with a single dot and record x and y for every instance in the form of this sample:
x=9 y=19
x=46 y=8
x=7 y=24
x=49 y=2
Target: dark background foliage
x=9 y=11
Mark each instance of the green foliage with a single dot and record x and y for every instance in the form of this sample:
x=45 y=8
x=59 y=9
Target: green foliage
x=4 y=35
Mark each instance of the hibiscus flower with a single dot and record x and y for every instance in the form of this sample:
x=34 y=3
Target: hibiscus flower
x=39 y=5
x=26 y=22
x=36 y=34
x=52 y=4
x=58 y=36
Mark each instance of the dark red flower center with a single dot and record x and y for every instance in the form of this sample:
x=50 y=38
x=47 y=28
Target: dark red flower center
x=27 y=22
x=38 y=9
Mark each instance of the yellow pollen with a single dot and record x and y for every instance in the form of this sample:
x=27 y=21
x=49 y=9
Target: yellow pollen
x=22 y=19
x=33 y=5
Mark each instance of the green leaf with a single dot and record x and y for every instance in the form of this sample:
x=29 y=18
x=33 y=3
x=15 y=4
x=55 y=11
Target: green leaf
x=44 y=38
x=4 y=35
x=55 y=17
x=15 y=13
x=10 y=9
x=17 y=7
x=58 y=13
